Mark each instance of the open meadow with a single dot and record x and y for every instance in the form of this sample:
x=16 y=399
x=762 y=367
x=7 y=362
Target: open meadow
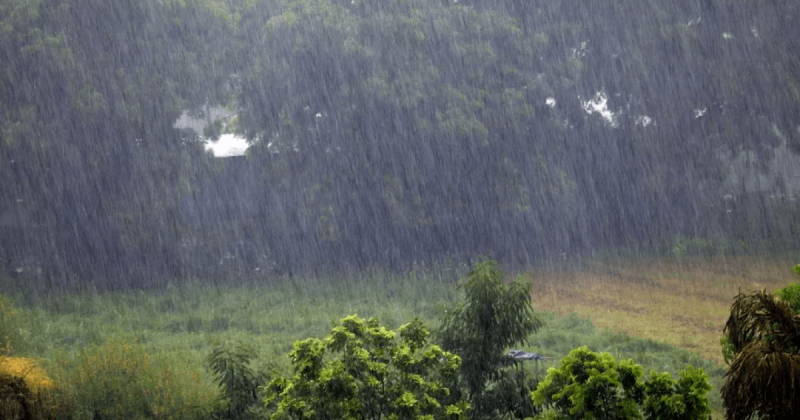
x=683 y=302
x=147 y=351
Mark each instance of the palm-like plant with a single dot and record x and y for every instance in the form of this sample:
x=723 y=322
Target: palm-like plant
x=765 y=372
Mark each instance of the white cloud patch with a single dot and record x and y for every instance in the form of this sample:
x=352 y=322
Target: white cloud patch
x=227 y=145
x=599 y=104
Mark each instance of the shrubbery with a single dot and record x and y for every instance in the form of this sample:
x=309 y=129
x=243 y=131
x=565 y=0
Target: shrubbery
x=589 y=385
x=119 y=380
x=361 y=371
x=24 y=389
x=791 y=293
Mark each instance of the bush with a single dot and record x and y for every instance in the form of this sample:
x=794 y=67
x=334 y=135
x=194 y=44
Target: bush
x=667 y=399
x=23 y=389
x=589 y=385
x=361 y=371
x=791 y=293
x=119 y=380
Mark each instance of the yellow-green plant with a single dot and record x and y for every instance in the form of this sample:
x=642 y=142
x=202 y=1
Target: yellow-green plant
x=120 y=380
x=27 y=369
x=9 y=329
x=24 y=386
x=791 y=293
x=24 y=389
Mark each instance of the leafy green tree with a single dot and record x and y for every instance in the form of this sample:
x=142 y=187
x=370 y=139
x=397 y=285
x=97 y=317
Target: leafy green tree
x=588 y=385
x=685 y=398
x=361 y=371
x=428 y=125
x=493 y=317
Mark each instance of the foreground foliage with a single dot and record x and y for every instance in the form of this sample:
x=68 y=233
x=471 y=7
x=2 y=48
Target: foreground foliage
x=266 y=318
x=763 y=333
x=588 y=385
x=361 y=371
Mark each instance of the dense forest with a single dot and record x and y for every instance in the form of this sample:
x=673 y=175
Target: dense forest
x=387 y=132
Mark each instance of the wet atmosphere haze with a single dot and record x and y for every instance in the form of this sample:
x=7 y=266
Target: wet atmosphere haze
x=388 y=133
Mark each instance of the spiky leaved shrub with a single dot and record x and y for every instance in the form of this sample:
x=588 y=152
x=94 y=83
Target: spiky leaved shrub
x=764 y=333
x=789 y=294
x=762 y=379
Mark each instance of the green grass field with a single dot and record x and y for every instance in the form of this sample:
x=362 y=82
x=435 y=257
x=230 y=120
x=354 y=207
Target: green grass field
x=151 y=346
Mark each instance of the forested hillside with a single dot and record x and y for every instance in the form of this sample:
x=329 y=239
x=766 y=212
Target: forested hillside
x=387 y=132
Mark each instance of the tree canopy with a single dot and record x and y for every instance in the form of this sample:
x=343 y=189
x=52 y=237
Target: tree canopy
x=388 y=132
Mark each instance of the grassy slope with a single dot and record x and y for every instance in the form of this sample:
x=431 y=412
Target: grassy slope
x=678 y=303
x=683 y=303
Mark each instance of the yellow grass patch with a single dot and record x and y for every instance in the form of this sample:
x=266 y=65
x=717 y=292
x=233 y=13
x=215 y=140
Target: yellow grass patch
x=684 y=303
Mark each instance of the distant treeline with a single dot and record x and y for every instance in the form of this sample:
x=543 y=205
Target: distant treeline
x=385 y=132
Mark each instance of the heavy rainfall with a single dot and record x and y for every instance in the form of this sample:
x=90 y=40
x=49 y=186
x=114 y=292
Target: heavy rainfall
x=189 y=186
